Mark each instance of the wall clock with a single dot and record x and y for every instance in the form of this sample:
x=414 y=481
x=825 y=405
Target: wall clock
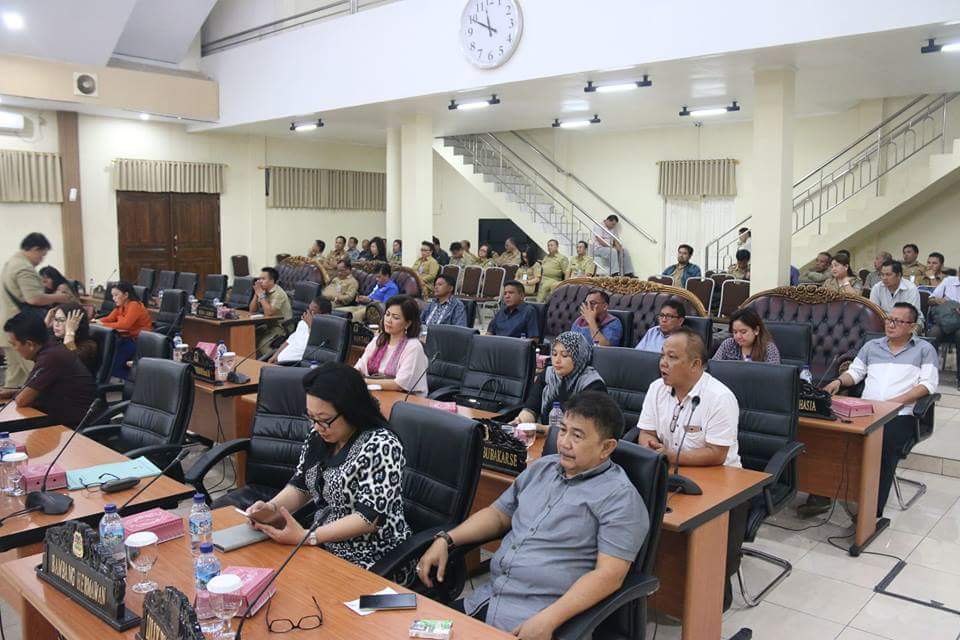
x=490 y=31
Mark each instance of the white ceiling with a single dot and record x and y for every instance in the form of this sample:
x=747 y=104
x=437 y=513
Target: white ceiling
x=162 y=30
x=832 y=75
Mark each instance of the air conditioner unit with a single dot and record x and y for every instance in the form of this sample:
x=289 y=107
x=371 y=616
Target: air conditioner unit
x=11 y=122
x=86 y=84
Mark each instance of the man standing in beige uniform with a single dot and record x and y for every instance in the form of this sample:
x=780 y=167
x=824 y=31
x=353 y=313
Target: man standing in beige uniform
x=22 y=287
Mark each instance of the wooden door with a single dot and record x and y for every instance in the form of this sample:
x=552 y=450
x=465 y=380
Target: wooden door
x=196 y=233
x=171 y=231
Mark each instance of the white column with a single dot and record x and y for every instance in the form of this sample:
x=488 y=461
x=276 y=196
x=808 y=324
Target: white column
x=416 y=185
x=393 y=187
x=773 y=115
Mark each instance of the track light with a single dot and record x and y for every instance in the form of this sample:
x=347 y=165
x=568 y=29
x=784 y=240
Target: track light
x=306 y=126
x=619 y=87
x=711 y=111
x=575 y=124
x=933 y=47
x=474 y=104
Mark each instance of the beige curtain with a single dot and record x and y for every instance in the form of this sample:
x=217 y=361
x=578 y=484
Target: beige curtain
x=698 y=178
x=167 y=176
x=29 y=176
x=297 y=188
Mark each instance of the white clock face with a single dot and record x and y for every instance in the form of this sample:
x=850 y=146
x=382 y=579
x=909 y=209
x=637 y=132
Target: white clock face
x=490 y=31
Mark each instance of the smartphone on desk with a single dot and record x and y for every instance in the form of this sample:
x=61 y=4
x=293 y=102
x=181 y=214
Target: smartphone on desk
x=263 y=516
x=389 y=601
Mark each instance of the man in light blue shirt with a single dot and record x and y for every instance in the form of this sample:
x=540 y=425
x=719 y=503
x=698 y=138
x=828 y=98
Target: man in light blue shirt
x=669 y=320
x=684 y=269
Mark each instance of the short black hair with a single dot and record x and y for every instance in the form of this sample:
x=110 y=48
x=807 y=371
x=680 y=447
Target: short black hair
x=696 y=347
x=346 y=261
x=436 y=240
x=896 y=265
x=27 y=325
x=603 y=294
x=743 y=254
x=35 y=241
x=428 y=245
x=341 y=238
x=344 y=387
x=323 y=304
x=743 y=229
x=825 y=253
x=516 y=284
x=613 y=217
x=687 y=247
x=273 y=273
x=676 y=305
x=354 y=238
x=584 y=243
x=383 y=269
x=321 y=244
x=910 y=245
x=938 y=256
x=600 y=409
x=455 y=246
x=914 y=314
x=448 y=279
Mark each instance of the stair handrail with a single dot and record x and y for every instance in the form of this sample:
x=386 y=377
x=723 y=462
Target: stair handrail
x=586 y=187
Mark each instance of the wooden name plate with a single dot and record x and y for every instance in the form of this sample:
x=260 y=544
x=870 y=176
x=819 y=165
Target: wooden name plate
x=75 y=564
x=167 y=615
x=202 y=365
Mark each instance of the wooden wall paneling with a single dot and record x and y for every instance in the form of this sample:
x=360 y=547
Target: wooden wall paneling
x=71 y=213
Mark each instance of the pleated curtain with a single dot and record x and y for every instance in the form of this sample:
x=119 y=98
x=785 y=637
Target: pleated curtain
x=698 y=178
x=30 y=176
x=301 y=188
x=166 y=176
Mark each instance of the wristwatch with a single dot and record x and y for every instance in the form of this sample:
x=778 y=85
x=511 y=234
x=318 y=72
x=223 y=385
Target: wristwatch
x=312 y=539
x=446 y=537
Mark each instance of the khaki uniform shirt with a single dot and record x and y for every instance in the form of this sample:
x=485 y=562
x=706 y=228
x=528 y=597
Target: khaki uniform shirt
x=489 y=262
x=555 y=266
x=472 y=256
x=935 y=281
x=20 y=278
x=855 y=287
x=530 y=277
x=334 y=257
x=279 y=302
x=582 y=266
x=915 y=272
x=428 y=269
x=507 y=257
x=342 y=291
x=815 y=276
x=467 y=260
x=738 y=273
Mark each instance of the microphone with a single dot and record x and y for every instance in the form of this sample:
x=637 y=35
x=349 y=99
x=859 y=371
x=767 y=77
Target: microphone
x=57 y=503
x=414 y=385
x=676 y=481
x=253 y=600
x=235 y=376
x=829 y=367
x=180 y=456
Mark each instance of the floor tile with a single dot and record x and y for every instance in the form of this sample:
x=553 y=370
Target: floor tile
x=769 y=620
x=855 y=634
x=947 y=484
x=789 y=545
x=937 y=554
x=948 y=528
x=926 y=584
x=900 y=620
x=819 y=596
x=866 y=570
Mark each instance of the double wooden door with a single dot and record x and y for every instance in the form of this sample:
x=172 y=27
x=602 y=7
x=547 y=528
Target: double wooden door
x=168 y=231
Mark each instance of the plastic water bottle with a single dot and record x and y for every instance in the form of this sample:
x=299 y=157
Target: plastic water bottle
x=314 y=364
x=112 y=534
x=523 y=336
x=806 y=375
x=200 y=524
x=194 y=303
x=90 y=287
x=556 y=415
x=6 y=446
x=205 y=567
x=160 y=297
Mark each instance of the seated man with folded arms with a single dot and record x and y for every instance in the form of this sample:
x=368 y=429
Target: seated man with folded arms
x=595 y=324
x=688 y=399
x=445 y=308
x=582 y=265
x=516 y=318
x=342 y=288
x=271 y=300
x=671 y=317
x=899 y=367
x=291 y=351
x=572 y=524
x=912 y=269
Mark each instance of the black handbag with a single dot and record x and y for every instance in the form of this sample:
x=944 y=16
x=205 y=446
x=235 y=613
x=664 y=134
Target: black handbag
x=814 y=402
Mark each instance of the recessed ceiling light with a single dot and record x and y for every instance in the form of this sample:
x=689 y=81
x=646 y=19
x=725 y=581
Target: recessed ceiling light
x=144 y=116
x=13 y=20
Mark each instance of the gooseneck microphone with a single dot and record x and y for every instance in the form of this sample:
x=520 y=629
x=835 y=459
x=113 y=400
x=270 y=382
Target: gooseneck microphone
x=414 y=385
x=180 y=456
x=675 y=481
x=57 y=503
x=263 y=590
x=235 y=376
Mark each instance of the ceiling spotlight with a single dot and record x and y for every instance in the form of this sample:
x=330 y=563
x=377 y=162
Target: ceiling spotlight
x=711 y=111
x=144 y=116
x=306 y=126
x=933 y=47
x=13 y=20
x=618 y=88
x=474 y=104
x=575 y=124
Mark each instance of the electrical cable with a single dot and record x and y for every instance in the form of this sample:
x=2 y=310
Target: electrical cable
x=843 y=486
x=222 y=438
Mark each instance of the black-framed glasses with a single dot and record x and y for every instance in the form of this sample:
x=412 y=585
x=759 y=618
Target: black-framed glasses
x=324 y=424
x=94 y=486
x=897 y=322
x=286 y=625
x=666 y=316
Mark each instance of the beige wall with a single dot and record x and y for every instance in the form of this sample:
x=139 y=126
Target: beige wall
x=457 y=206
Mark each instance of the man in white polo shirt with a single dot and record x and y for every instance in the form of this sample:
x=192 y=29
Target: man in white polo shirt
x=688 y=399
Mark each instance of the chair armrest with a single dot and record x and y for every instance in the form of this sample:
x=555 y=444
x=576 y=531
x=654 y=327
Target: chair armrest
x=110 y=412
x=633 y=588
x=444 y=393
x=509 y=413
x=102 y=432
x=412 y=547
x=153 y=449
x=205 y=462
x=777 y=465
x=109 y=387
x=925 y=404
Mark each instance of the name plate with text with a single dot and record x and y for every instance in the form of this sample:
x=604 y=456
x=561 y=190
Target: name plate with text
x=168 y=615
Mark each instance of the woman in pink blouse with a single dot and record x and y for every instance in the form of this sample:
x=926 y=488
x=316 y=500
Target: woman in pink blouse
x=395 y=359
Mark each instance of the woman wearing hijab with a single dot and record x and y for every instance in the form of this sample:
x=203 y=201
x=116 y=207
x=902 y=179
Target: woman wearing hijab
x=570 y=374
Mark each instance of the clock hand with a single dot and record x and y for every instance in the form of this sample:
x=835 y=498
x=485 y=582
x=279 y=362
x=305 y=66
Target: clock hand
x=489 y=29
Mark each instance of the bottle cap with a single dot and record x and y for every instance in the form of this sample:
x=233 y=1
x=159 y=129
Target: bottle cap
x=206 y=547
x=224 y=583
x=199 y=497
x=19 y=456
x=556 y=405
x=110 y=508
x=4 y=434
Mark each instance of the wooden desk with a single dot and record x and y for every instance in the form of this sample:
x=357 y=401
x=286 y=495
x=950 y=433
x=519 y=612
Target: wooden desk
x=14 y=418
x=239 y=335
x=843 y=460
x=42 y=445
x=314 y=572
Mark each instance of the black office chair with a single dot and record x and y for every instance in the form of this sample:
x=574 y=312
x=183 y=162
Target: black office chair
x=794 y=340
x=703 y=327
x=154 y=422
x=304 y=293
x=329 y=340
x=142 y=292
x=437 y=496
x=627 y=374
x=188 y=282
x=215 y=288
x=280 y=427
x=173 y=307
x=471 y=308
x=165 y=280
x=146 y=279
x=448 y=350
x=767 y=439
x=241 y=293
x=107 y=305
x=499 y=375
x=626 y=320
x=106 y=340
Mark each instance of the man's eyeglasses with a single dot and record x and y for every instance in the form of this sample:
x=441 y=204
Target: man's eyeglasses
x=897 y=322
x=286 y=625
x=94 y=486
x=324 y=424
x=666 y=316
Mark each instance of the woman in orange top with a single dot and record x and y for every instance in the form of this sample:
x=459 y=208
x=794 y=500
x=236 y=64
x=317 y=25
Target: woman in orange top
x=129 y=317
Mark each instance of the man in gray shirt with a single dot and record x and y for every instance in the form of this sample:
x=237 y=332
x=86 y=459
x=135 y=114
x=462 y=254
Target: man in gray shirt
x=572 y=525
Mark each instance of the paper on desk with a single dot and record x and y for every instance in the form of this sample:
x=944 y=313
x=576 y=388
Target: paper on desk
x=137 y=468
x=354 y=605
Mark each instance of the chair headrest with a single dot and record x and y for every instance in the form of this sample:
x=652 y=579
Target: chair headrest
x=281 y=391
x=161 y=384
